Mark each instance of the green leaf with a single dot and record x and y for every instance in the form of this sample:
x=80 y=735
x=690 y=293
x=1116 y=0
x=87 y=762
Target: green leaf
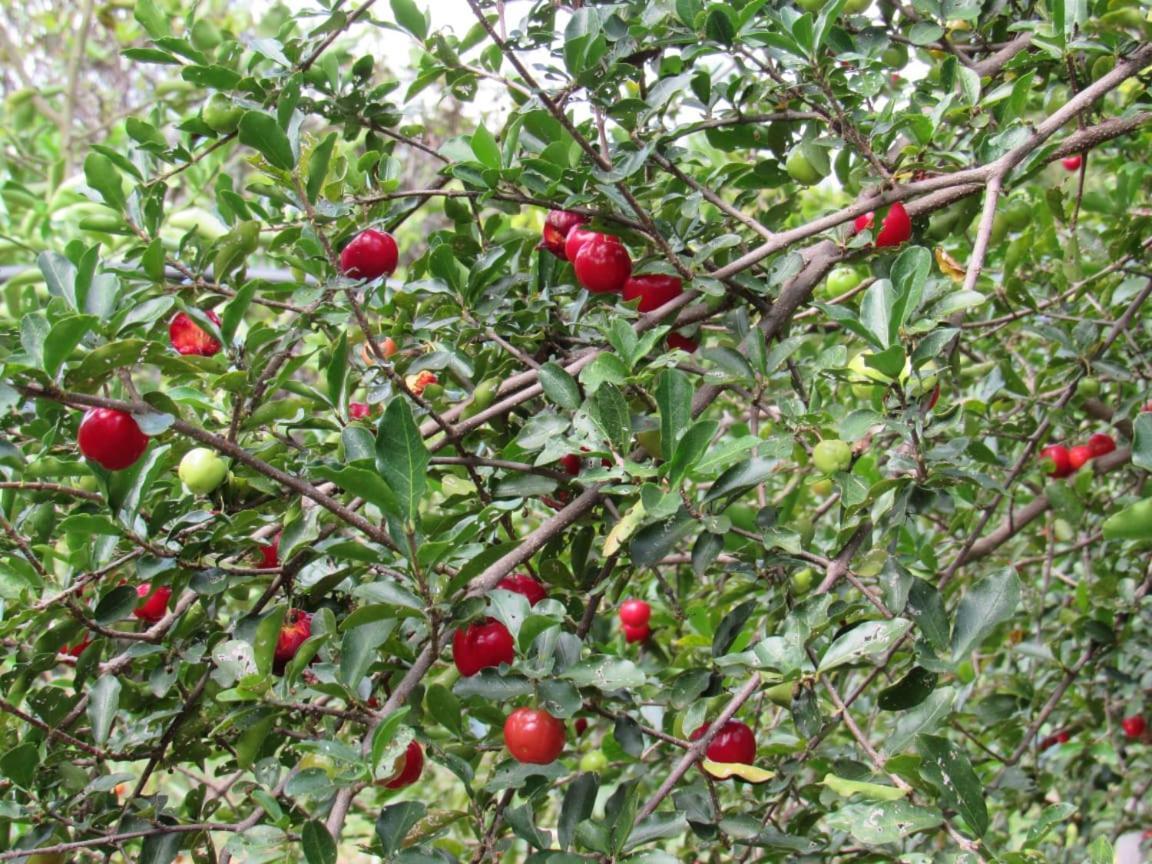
x=265 y=636
x=730 y=627
x=909 y=276
x=653 y=542
x=739 y=478
x=20 y=763
x=363 y=483
x=608 y=409
x=909 y=691
x=116 y=605
x=560 y=387
x=410 y=18
x=947 y=768
x=485 y=148
x=520 y=820
x=885 y=822
x=875 y=791
x=59 y=274
x=579 y=801
x=261 y=132
x=154 y=22
x=869 y=639
x=102 y=175
x=1100 y=852
x=103 y=703
x=337 y=373
x=620 y=811
x=674 y=399
x=691 y=449
x=394 y=823
x=161 y=848
x=1142 y=441
x=606 y=674
x=319 y=847
x=1052 y=816
x=982 y=607
x=718 y=26
x=402 y=458
x=63 y=338
x=876 y=311
x=359 y=649
x=318 y=166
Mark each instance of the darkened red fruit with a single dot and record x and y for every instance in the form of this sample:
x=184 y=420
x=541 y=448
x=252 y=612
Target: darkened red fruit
x=534 y=736
x=408 y=767
x=155 y=605
x=370 y=255
x=1061 y=737
x=1060 y=464
x=653 y=290
x=556 y=228
x=1135 y=726
x=77 y=649
x=481 y=645
x=636 y=633
x=359 y=410
x=1072 y=163
x=1079 y=456
x=602 y=265
x=576 y=238
x=294 y=632
x=684 y=343
x=735 y=742
x=270 y=552
x=894 y=230
x=522 y=583
x=580 y=725
x=188 y=337
x=635 y=613
x=1101 y=444
x=111 y=438
x=572 y=464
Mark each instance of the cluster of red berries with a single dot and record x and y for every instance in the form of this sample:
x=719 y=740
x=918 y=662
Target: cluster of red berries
x=1065 y=461
x=634 y=617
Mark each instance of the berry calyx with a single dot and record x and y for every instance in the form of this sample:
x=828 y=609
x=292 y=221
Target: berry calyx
x=534 y=736
x=155 y=605
x=1059 y=460
x=735 y=742
x=557 y=226
x=482 y=645
x=653 y=290
x=370 y=255
x=294 y=632
x=188 y=337
x=635 y=613
x=602 y=265
x=522 y=583
x=111 y=438
x=407 y=768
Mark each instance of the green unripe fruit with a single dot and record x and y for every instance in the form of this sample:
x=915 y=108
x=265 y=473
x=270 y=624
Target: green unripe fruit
x=802 y=580
x=48 y=858
x=1088 y=388
x=857 y=7
x=811 y=5
x=1017 y=214
x=205 y=36
x=593 y=762
x=841 y=281
x=649 y=439
x=821 y=488
x=780 y=694
x=895 y=56
x=831 y=455
x=801 y=170
x=221 y=115
x=1102 y=66
x=202 y=471
x=999 y=230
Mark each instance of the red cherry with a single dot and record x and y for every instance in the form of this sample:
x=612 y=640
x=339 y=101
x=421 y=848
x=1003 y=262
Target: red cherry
x=77 y=649
x=295 y=631
x=188 y=337
x=370 y=255
x=1072 y=163
x=522 y=583
x=896 y=228
x=635 y=613
x=863 y=223
x=1135 y=726
x=1058 y=456
x=1147 y=408
x=481 y=645
x=557 y=226
x=1101 y=444
x=684 y=343
x=653 y=289
x=576 y=238
x=735 y=742
x=636 y=633
x=1079 y=456
x=270 y=553
x=533 y=735
x=602 y=265
x=112 y=438
x=572 y=464
x=581 y=725
x=408 y=767
x=155 y=605
x=359 y=410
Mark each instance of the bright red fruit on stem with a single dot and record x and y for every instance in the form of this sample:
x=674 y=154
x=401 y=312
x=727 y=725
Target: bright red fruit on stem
x=735 y=742
x=155 y=604
x=1079 y=456
x=1135 y=726
x=602 y=265
x=1101 y=444
x=1060 y=464
x=684 y=343
x=522 y=583
x=653 y=290
x=896 y=228
x=1072 y=163
x=295 y=631
x=481 y=645
x=77 y=649
x=557 y=226
x=635 y=613
x=370 y=255
x=533 y=735
x=636 y=633
x=188 y=337
x=270 y=553
x=359 y=410
x=111 y=438
x=408 y=767
x=576 y=238
x=572 y=464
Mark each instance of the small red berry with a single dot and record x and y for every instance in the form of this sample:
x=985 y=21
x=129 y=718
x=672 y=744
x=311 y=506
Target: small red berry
x=77 y=649
x=1135 y=726
x=522 y=583
x=370 y=255
x=359 y=410
x=534 y=736
x=1072 y=163
x=1079 y=456
x=572 y=464
x=636 y=633
x=653 y=290
x=481 y=645
x=894 y=230
x=1101 y=444
x=295 y=631
x=1060 y=464
x=155 y=605
x=557 y=226
x=602 y=265
x=188 y=337
x=576 y=239
x=270 y=553
x=111 y=438
x=735 y=742
x=407 y=768
x=635 y=613
x=684 y=343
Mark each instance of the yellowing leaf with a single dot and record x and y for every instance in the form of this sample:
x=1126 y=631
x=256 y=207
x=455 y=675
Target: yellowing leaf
x=623 y=529
x=949 y=266
x=876 y=791
x=724 y=770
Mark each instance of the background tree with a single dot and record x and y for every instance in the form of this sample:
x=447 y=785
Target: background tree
x=820 y=538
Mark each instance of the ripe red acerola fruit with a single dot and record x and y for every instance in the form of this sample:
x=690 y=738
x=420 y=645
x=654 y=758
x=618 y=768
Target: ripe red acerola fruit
x=188 y=337
x=653 y=289
x=602 y=265
x=370 y=255
x=635 y=613
x=684 y=343
x=1135 y=726
x=576 y=238
x=1057 y=455
x=359 y=410
x=636 y=633
x=295 y=631
x=408 y=767
x=735 y=742
x=77 y=649
x=270 y=553
x=111 y=438
x=581 y=725
x=1079 y=456
x=1101 y=444
x=1072 y=163
x=533 y=735
x=155 y=604
x=522 y=583
x=572 y=464
x=480 y=645
x=894 y=230
x=557 y=226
